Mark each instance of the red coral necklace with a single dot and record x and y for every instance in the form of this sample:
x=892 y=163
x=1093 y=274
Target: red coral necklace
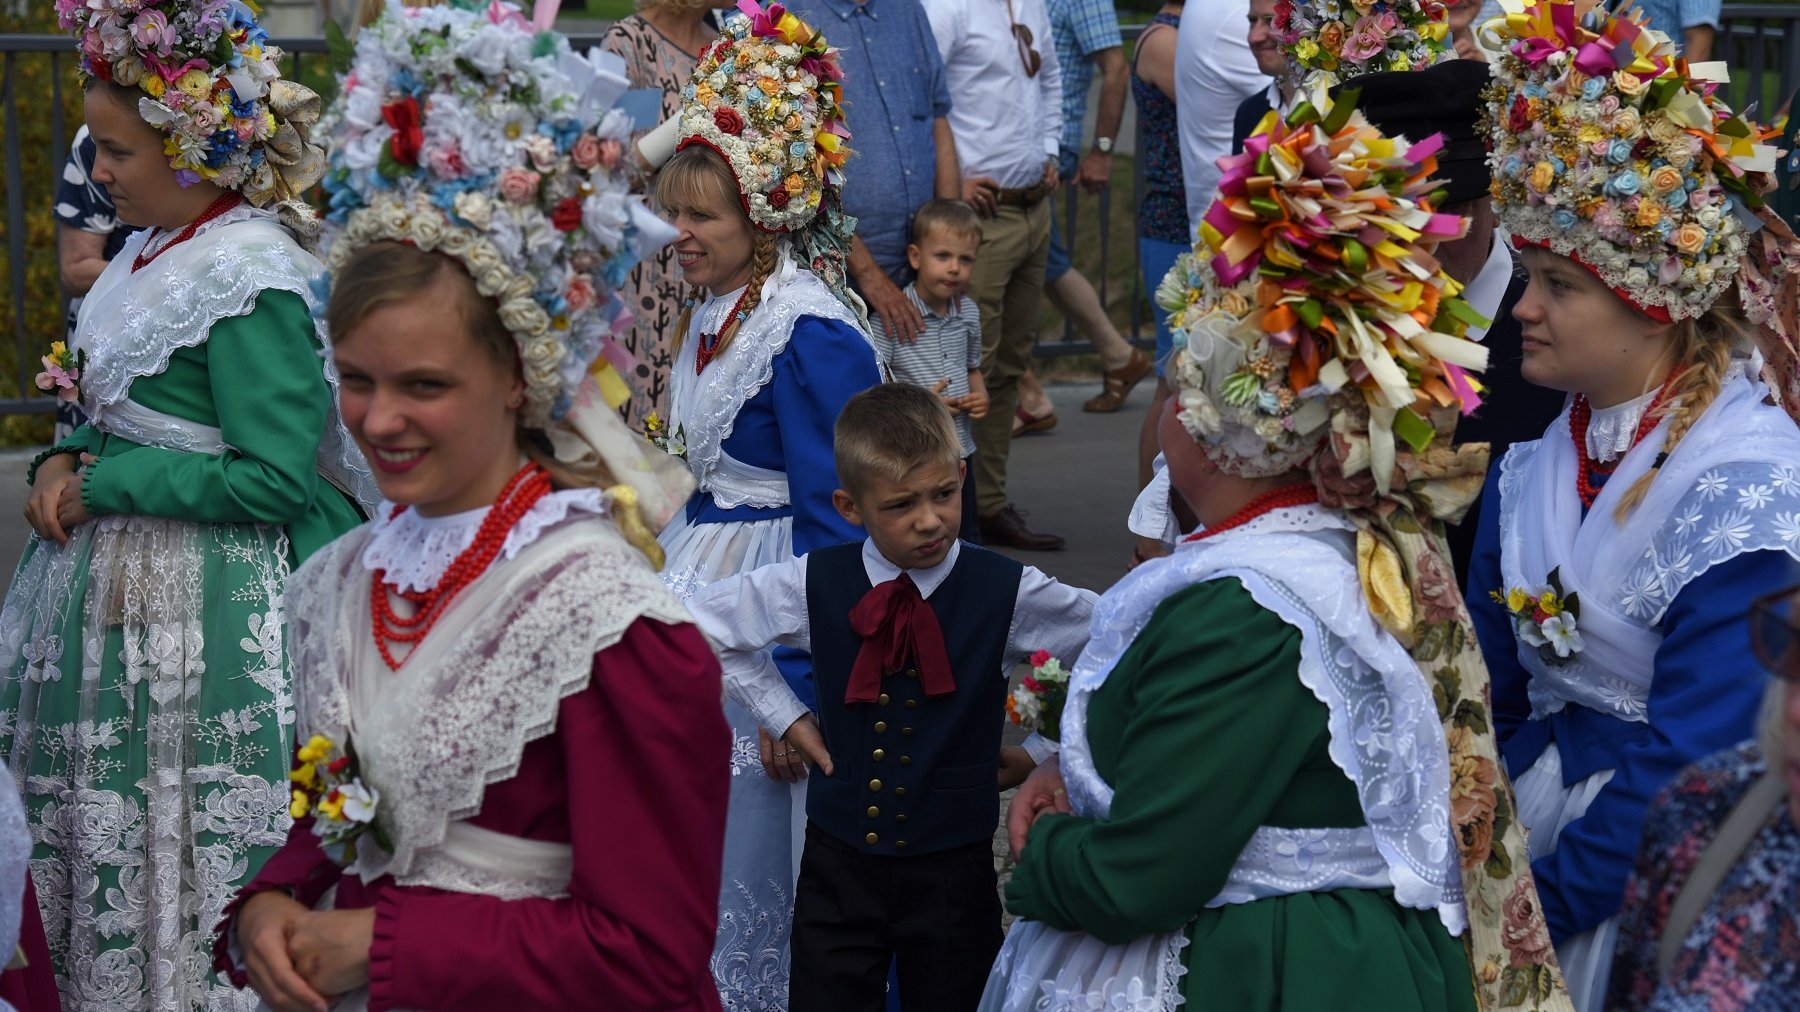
x=709 y=343
x=1281 y=498
x=228 y=200
x=516 y=499
x=1580 y=413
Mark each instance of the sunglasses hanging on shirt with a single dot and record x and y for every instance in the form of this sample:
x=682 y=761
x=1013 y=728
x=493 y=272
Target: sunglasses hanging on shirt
x=1022 y=36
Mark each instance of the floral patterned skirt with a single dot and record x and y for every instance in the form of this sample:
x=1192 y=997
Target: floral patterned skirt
x=146 y=712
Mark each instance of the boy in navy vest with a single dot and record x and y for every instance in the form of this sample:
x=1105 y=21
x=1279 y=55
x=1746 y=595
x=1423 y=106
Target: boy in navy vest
x=912 y=635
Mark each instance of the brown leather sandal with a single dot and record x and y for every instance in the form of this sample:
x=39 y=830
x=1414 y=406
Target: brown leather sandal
x=1116 y=384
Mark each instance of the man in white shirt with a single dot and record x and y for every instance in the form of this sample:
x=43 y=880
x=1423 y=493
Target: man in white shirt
x=1006 y=115
x=1214 y=72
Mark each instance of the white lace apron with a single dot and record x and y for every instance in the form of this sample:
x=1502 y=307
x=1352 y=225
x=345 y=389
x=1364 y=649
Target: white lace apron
x=1732 y=485
x=1295 y=562
x=457 y=717
x=765 y=827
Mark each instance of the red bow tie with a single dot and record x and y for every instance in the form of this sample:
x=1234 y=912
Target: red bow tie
x=896 y=625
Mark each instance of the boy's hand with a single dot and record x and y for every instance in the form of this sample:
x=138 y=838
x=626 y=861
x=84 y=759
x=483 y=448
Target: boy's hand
x=1042 y=794
x=975 y=402
x=955 y=404
x=1015 y=765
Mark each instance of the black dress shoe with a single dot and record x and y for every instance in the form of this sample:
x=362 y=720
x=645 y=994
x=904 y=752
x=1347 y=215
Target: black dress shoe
x=1006 y=529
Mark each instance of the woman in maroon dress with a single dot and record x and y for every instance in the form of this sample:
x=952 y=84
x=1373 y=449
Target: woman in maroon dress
x=530 y=810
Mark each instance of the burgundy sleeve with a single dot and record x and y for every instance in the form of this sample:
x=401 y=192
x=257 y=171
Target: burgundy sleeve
x=648 y=757
x=299 y=868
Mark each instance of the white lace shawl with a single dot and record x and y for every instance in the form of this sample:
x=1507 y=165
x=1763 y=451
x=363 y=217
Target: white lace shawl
x=705 y=408
x=132 y=322
x=414 y=550
x=1732 y=485
x=1384 y=730
x=489 y=680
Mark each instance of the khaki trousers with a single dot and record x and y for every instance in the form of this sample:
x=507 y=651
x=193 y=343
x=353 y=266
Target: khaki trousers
x=1008 y=286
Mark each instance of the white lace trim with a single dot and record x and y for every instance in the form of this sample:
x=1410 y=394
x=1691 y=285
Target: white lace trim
x=1611 y=431
x=1732 y=485
x=1280 y=861
x=516 y=643
x=1384 y=729
x=415 y=550
x=704 y=408
x=131 y=323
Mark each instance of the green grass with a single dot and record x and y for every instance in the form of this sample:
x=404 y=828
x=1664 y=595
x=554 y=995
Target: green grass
x=610 y=10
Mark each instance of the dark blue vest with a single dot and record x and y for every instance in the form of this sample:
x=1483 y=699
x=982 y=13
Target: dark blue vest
x=914 y=775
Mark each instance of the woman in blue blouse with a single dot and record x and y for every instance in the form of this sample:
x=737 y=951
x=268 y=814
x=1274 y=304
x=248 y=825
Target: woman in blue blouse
x=768 y=350
x=1616 y=554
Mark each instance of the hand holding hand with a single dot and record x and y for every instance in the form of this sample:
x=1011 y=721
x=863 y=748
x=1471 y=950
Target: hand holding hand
x=263 y=927
x=330 y=949
x=54 y=476
x=1041 y=794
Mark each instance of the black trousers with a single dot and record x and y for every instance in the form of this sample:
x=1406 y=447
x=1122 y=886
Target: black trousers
x=936 y=917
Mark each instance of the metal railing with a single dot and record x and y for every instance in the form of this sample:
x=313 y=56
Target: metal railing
x=1757 y=42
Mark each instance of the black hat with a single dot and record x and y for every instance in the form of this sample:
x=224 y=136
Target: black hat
x=1444 y=98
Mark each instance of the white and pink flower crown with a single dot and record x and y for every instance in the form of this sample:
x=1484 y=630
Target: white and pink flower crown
x=1608 y=149
x=1342 y=39
x=211 y=83
x=468 y=130
x=765 y=97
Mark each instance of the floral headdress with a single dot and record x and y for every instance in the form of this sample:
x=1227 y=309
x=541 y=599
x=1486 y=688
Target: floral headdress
x=1313 y=291
x=1608 y=149
x=1347 y=38
x=212 y=84
x=1317 y=328
x=469 y=131
x=765 y=96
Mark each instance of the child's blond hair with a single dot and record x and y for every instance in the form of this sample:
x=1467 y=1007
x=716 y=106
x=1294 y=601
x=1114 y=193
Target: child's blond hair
x=888 y=430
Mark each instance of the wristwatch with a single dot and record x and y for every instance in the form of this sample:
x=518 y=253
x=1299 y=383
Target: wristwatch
x=1104 y=145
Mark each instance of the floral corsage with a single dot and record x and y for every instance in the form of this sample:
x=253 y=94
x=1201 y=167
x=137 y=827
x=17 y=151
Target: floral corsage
x=657 y=432
x=327 y=786
x=1037 y=704
x=62 y=373
x=1545 y=618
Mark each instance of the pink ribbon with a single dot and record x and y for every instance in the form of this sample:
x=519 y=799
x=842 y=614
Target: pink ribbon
x=506 y=15
x=543 y=14
x=1463 y=387
x=762 y=21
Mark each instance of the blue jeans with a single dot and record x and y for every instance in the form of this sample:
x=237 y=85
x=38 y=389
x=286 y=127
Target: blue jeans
x=1058 y=263
x=1155 y=257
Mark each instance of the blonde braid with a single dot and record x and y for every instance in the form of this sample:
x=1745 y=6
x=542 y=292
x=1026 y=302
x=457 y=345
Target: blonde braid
x=1706 y=346
x=763 y=260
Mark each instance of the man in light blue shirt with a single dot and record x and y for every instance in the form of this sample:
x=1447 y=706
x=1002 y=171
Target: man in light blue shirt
x=1689 y=24
x=895 y=104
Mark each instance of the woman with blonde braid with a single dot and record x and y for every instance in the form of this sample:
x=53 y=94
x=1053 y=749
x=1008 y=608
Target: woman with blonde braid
x=1616 y=553
x=770 y=347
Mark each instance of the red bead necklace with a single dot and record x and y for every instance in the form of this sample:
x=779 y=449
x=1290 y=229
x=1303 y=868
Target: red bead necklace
x=1580 y=413
x=1281 y=498
x=709 y=343
x=228 y=200
x=516 y=499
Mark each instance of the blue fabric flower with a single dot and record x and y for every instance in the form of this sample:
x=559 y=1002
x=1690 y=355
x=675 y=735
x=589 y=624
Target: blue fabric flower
x=1624 y=184
x=1619 y=152
x=1592 y=88
x=1563 y=218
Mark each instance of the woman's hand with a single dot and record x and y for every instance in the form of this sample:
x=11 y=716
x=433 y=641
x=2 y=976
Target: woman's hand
x=1041 y=794
x=330 y=949
x=784 y=759
x=56 y=477
x=264 y=926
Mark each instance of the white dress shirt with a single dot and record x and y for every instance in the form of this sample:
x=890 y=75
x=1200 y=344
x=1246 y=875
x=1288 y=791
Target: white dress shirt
x=1006 y=124
x=745 y=615
x=1214 y=72
x=1488 y=290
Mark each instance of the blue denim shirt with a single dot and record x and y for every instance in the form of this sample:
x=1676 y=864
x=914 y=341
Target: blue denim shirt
x=893 y=92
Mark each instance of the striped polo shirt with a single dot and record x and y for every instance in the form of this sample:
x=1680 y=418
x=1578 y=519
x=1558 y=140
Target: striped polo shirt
x=948 y=347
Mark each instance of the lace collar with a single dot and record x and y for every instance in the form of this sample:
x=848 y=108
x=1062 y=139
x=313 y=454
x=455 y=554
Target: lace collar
x=415 y=550
x=1611 y=430
x=711 y=317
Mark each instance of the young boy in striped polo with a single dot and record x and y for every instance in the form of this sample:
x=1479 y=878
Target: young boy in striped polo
x=946 y=356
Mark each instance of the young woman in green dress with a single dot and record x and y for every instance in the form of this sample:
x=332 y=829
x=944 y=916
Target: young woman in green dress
x=145 y=704
x=1278 y=787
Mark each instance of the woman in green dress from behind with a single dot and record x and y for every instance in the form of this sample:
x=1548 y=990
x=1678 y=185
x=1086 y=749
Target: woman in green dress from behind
x=1281 y=786
x=145 y=706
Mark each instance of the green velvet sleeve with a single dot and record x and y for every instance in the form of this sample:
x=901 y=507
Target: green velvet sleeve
x=80 y=441
x=270 y=394
x=1206 y=725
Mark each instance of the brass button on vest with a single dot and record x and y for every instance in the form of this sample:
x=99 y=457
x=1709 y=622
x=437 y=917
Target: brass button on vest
x=912 y=704
x=880 y=726
x=874 y=785
x=879 y=755
x=906 y=730
x=900 y=819
x=900 y=844
x=873 y=811
x=901 y=791
x=882 y=699
x=906 y=760
x=912 y=672
x=872 y=838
